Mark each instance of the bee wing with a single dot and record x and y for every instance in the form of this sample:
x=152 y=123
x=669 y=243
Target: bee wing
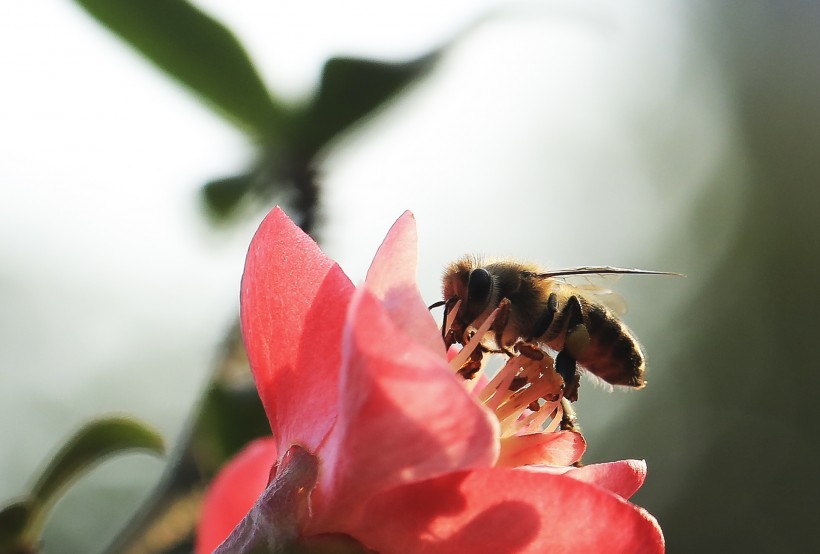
x=606 y=276
x=603 y=294
x=601 y=270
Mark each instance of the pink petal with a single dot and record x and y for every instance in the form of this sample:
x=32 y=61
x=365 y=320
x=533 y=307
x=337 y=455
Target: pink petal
x=623 y=478
x=506 y=510
x=234 y=492
x=293 y=304
x=392 y=278
x=562 y=448
x=403 y=416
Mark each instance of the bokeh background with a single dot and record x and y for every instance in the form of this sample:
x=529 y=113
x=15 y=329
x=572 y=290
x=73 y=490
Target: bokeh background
x=668 y=135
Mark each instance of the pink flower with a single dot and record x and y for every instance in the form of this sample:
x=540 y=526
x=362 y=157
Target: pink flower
x=375 y=437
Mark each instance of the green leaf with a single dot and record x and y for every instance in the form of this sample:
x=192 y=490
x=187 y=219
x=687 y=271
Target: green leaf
x=198 y=51
x=351 y=89
x=13 y=520
x=90 y=445
x=233 y=416
x=223 y=196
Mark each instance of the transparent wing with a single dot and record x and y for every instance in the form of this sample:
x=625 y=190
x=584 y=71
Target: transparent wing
x=599 y=289
x=596 y=281
x=602 y=270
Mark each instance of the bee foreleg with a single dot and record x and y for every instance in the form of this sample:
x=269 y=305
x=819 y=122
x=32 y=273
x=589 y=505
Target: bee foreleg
x=473 y=364
x=500 y=324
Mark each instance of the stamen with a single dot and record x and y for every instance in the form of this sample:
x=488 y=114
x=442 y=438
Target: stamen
x=499 y=386
x=556 y=421
x=522 y=399
x=451 y=317
x=534 y=405
x=462 y=357
x=534 y=423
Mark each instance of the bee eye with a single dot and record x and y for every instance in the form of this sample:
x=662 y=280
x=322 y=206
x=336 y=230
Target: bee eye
x=478 y=286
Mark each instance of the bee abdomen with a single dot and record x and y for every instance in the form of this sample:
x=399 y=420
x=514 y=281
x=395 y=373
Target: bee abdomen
x=613 y=353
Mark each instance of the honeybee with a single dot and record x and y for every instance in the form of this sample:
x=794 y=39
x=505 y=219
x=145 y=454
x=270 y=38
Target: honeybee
x=539 y=307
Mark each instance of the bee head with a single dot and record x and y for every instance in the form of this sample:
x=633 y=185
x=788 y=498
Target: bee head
x=473 y=284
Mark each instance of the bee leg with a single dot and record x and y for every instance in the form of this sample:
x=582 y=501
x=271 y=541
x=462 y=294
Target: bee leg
x=575 y=342
x=567 y=368
x=473 y=364
x=577 y=338
x=500 y=324
x=569 y=421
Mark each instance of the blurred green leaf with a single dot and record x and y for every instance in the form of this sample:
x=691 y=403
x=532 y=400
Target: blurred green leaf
x=233 y=416
x=96 y=440
x=13 y=521
x=90 y=445
x=198 y=51
x=222 y=196
x=351 y=89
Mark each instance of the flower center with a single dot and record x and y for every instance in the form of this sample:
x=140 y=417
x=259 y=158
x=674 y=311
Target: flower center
x=526 y=394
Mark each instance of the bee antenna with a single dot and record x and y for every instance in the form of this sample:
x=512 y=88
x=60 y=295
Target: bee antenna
x=436 y=304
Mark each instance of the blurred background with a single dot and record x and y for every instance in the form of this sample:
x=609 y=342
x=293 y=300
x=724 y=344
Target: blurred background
x=670 y=135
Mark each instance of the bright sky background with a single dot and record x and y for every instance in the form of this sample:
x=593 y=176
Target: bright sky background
x=568 y=134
